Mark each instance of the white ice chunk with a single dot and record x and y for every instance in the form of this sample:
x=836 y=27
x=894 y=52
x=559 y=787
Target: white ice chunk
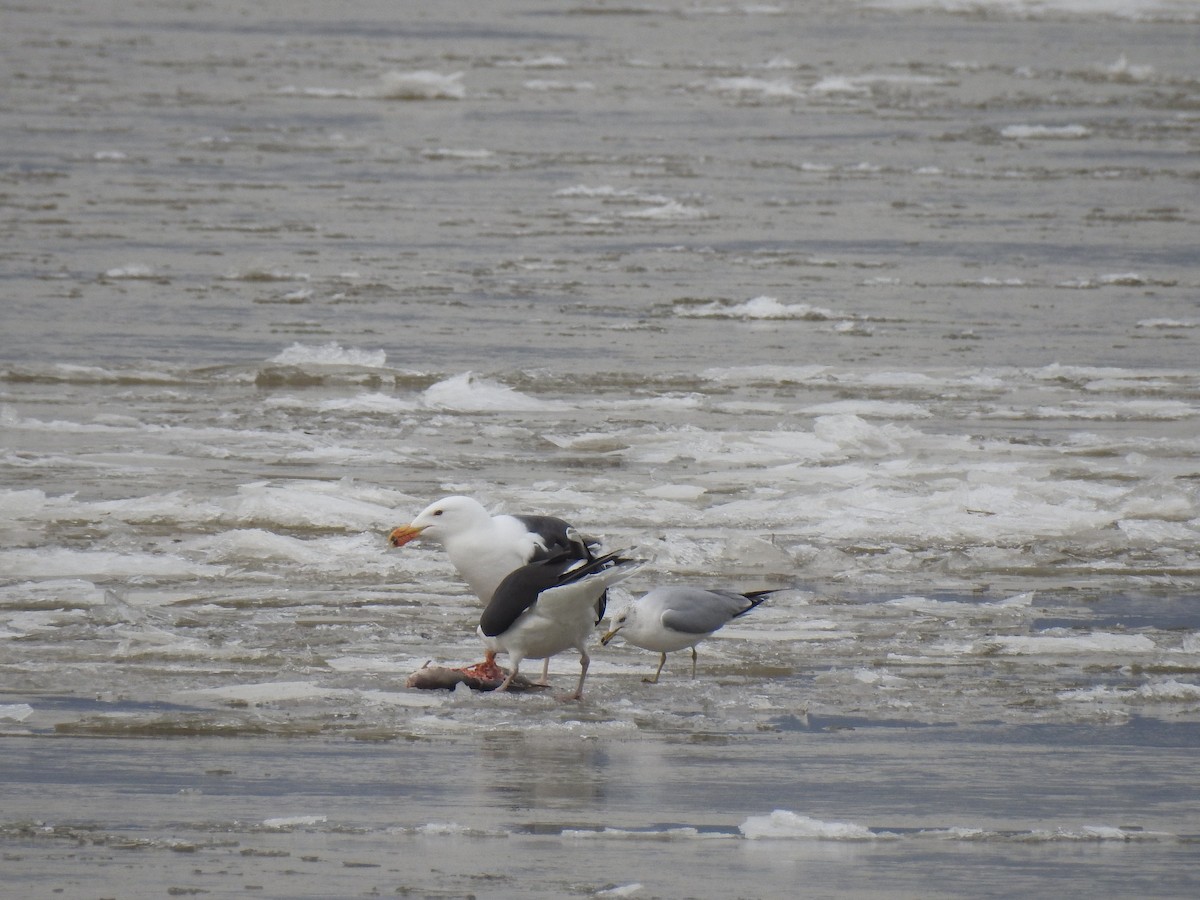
x=785 y=824
x=421 y=85
x=290 y=821
x=15 y=712
x=471 y=393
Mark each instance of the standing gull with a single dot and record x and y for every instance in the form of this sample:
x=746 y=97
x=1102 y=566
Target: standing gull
x=485 y=549
x=674 y=617
x=549 y=606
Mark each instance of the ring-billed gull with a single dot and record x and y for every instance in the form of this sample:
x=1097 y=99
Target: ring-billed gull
x=674 y=617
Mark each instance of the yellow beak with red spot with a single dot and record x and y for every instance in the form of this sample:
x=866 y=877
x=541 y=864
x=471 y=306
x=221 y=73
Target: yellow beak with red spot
x=403 y=534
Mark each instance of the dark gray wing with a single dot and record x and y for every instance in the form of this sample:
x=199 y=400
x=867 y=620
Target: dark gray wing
x=520 y=588
x=561 y=538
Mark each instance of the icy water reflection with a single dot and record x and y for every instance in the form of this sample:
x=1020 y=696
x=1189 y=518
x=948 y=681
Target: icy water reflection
x=872 y=808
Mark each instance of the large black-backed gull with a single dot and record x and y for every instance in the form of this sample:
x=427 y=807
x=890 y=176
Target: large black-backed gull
x=485 y=549
x=549 y=606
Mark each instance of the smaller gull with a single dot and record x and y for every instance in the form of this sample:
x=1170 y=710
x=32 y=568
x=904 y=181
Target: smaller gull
x=674 y=617
x=549 y=606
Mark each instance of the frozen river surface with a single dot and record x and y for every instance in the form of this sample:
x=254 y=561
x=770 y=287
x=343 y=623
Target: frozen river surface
x=892 y=306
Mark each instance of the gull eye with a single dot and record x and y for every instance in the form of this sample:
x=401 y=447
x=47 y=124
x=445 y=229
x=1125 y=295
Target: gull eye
x=437 y=512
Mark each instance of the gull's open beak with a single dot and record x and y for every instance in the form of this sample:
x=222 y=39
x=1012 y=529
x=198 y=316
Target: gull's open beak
x=608 y=636
x=402 y=535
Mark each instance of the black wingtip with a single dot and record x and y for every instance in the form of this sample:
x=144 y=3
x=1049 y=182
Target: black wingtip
x=600 y=563
x=756 y=598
